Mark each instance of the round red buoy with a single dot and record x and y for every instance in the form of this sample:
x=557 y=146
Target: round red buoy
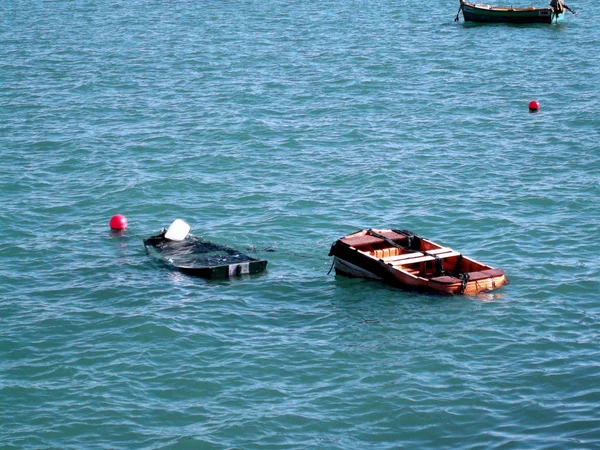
x=534 y=105
x=118 y=222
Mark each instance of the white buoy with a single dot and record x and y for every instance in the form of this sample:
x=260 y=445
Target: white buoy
x=178 y=230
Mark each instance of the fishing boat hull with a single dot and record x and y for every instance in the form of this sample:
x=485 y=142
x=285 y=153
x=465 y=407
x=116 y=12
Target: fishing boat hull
x=406 y=260
x=483 y=13
x=194 y=256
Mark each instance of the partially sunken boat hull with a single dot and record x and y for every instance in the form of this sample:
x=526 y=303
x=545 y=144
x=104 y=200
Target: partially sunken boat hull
x=404 y=259
x=203 y=259
x=479 y=12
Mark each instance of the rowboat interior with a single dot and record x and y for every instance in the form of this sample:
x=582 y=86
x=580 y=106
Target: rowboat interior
x=416 y=261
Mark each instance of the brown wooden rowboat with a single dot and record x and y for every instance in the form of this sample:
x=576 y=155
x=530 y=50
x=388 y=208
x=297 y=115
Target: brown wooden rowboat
x=404 y=259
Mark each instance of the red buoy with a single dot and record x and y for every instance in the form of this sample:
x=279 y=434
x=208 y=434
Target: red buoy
x=118 y=222
x=534 y=105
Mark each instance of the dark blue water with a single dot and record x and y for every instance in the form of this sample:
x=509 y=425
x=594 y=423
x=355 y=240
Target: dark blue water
x=284 y=126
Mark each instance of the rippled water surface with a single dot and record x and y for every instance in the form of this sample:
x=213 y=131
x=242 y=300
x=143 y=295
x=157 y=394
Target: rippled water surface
x=284 y=126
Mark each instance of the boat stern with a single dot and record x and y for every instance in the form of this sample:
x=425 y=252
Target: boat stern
x=470 y=283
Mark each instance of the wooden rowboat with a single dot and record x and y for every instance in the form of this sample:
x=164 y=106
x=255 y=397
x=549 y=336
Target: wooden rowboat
x=404 y=259
x=195 y=256
x=479 y=12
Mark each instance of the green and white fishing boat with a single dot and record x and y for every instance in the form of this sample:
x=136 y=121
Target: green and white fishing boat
x=479 y=12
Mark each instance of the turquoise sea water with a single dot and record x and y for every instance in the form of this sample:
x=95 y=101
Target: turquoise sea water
x=287 y=125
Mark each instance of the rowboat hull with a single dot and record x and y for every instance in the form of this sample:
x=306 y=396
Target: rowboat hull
x=406 y=260
x=477 y=12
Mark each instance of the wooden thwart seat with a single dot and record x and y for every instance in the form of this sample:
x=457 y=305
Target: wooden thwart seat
x=437 y=251
x=424 y=258
x=443 y=252
x=404 y=256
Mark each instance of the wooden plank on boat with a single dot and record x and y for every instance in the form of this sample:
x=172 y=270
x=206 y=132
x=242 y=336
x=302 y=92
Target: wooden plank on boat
x=441 y=252
x=437 y=251
x=404 y=256
x=425 y=258
x=413 y=261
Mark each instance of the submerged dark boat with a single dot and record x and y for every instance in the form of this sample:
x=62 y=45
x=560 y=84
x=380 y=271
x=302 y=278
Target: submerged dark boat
x=480 y=12
x=405 y=259
x=194 y=256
